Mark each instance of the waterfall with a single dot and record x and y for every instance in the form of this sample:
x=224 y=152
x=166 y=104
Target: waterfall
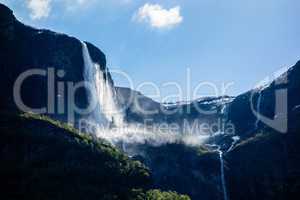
x=258 y=110
x=103 y=93
x=107 y=112
x=223 y=181
x=223 y=109
x=235 y=139
x=90 y=83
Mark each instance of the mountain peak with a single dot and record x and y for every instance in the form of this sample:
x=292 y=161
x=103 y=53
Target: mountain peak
x=6 y=15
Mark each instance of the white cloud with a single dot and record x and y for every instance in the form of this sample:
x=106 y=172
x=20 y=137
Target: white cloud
x=39 y=8
x=158 y=17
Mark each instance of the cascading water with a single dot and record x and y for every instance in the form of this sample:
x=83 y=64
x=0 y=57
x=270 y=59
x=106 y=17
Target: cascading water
x=107 y=99
x=235 y=139
x=217 y=148
x=108 y=112
x=223 y=181
x=102 y=92
x=90 y=83
x=258 y=109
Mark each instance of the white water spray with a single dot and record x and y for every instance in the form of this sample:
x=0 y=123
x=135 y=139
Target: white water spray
x=102 y=91
x=90 y=83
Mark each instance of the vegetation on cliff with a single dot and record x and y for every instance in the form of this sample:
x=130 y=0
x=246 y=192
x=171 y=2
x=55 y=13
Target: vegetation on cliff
x=45 y=159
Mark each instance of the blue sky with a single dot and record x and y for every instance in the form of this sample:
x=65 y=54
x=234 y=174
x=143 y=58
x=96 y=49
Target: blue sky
x=221 y=41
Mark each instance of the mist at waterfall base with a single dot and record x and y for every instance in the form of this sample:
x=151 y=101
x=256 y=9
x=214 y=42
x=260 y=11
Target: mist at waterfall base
x=106 y=119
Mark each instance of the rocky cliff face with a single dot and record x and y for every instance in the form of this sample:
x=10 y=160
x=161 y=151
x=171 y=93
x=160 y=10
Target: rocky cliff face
x=265 y=164
x=25 y=48
x=241 y=114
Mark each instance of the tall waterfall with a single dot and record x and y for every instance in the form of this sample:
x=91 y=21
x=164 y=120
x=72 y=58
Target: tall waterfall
x=223 y=181
x=107 y=111
x=102 y=91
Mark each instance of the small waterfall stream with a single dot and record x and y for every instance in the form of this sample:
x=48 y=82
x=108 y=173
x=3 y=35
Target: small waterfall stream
x=223 y=181
x=258 y=110
x=235 y=139
x=217 y=148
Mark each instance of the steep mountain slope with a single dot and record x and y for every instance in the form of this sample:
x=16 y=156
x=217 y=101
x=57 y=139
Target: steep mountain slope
x=265 y=167
x=241 y=114
x=265 y=164
x=45 y=159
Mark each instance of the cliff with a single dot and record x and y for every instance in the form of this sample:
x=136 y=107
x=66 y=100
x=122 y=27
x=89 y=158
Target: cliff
x=24 y=48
